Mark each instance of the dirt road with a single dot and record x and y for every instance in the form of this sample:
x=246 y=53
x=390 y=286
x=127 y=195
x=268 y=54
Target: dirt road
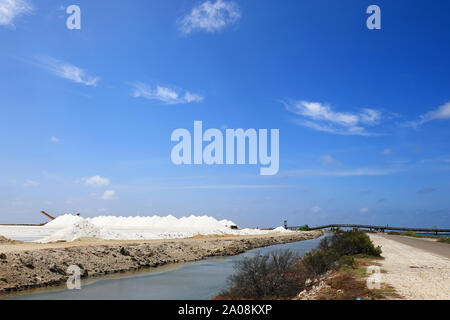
x=418 y=269
x=430 y=245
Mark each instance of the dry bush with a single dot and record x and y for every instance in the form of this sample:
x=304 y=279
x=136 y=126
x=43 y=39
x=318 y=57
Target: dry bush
x=269 y=276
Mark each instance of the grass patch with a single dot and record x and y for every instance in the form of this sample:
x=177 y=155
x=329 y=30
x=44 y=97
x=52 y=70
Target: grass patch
x=347 y=287
x=415 y=235
x=444 y=240
x=357 y=271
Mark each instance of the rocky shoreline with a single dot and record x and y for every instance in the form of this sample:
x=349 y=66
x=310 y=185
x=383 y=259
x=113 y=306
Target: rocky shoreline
x=46 y=266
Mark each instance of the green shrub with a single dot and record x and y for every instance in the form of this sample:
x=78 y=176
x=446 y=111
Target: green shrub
x=350 y=243
x=346 y=261
x=318 y=262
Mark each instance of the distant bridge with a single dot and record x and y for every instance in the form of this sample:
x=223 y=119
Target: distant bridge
x=370 y=227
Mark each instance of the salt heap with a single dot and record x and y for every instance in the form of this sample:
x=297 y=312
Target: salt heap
x=70 y=228
x=81 y=229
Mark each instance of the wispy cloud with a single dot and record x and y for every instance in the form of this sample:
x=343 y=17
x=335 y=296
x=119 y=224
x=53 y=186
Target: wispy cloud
x=441 y=159
x=387 y=152
x=164 y=94
x=338 y=173
x=210 y=16
x=425 y=191
x=11 y=9
x=321 y=117
x=68 y=71
x=329 y=161
x=54 y=139
x=441 y=113
x=96 y=181
x=109 y=195
x=31 y=183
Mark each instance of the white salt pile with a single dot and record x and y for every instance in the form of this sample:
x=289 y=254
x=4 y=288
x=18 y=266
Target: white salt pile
x=154 y=222
x=70 y=228
x=81 y=229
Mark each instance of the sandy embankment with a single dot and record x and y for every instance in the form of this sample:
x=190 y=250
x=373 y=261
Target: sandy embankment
x=414 y=273
x=32 y=265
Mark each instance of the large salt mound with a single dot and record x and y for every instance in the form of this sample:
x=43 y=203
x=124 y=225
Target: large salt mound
x=72 y=227
x=169 y=222
x=81 y=229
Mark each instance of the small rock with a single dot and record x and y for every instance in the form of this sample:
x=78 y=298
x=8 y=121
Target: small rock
x=124 y=252
x=56 y=269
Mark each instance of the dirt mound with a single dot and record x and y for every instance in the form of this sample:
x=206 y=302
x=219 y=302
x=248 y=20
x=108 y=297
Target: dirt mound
x=4 y=240
x=203 y=236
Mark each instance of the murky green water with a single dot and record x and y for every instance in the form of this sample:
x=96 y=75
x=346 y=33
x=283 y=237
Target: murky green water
x=197 y=280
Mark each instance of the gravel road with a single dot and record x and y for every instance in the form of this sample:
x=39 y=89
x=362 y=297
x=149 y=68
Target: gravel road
x=418 y=269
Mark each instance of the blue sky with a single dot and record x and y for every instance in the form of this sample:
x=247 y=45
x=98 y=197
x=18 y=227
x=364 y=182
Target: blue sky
x=86 y=115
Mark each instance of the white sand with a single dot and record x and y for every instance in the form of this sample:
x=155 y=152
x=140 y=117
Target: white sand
x=414 y=273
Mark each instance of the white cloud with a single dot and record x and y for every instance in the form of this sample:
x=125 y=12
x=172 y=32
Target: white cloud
x=68 y=71
x=370 y=117
x=321 y=117
x=441 y=113
x=316 y=209
x=164 y=94
x=31 y=183
x=109 y=195
x=364 y=210
x=328 y=160
x=210 y=16
x=54 y=139
x=192 y=97
x=387 y=152
x=11 y=9
x=318 y=111
x=96 y=181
